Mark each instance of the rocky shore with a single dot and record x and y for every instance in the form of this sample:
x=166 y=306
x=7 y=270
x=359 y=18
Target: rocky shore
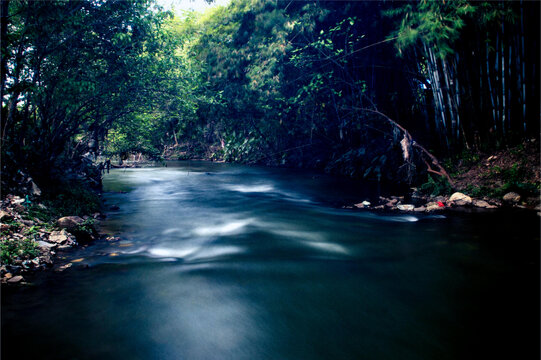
x=422 y=203
x=29 y=244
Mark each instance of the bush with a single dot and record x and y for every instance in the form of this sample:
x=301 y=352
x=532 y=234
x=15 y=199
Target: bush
x=437 y=187
x=11 y=250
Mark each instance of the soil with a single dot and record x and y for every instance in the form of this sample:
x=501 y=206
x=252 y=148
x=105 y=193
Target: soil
x=493 y=174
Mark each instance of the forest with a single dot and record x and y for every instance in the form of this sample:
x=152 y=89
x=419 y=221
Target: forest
x=373 y=89
x=270 y=179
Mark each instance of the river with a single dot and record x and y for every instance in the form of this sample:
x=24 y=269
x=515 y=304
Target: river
x=219 y=261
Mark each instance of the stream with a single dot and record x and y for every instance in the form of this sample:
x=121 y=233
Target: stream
x=221 y=261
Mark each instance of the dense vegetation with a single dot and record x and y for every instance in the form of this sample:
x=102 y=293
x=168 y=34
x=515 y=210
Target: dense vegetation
x=368 y=89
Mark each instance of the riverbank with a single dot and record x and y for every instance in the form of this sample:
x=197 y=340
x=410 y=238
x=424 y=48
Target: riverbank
x=507 y=178
x=34 y=240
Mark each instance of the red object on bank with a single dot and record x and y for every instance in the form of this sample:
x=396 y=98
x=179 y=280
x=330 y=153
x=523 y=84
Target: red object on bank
x=440 y=204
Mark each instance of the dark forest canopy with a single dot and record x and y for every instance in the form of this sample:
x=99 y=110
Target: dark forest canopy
x=368 y=89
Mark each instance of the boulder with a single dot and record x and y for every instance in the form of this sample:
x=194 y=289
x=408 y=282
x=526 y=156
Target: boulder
x=460 y=199
x=62 y=237
x=512 y=198
x=69 y=222
x=420 y=209
x=483 y=204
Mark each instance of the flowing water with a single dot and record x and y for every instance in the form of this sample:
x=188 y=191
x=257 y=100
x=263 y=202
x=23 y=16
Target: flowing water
x=220 y=261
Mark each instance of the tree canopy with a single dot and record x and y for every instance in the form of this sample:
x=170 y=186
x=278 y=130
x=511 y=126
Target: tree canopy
x=350 y=87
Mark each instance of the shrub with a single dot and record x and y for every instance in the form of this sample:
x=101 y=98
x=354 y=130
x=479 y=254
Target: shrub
x=11 y=250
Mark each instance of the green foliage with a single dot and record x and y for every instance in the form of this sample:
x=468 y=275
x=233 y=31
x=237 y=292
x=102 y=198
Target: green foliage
x=17 y=249
x=437 y=23
x=436 y=187
x=73 y=198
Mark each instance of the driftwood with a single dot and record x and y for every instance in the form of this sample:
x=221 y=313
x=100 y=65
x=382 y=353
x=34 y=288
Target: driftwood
x=407 y=143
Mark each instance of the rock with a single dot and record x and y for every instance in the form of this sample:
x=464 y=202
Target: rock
x=405 y=207
x=366 y=203
x=69 y=222
x=460 y=199
x=17 y=200
x=359 y=205
x=64 y=267
x=27 y=222
x=433 y=206
x=46 y=245
x=35 y=189
x=379 y=207
x=8 y=275
x=46 y=259
x=420 y=209
x=512 y=198
x=41 y=206
x=440 y=198
x=62 y=237
x=483 y=204
x=15 y=279
x=4 y=215
x=98 y=216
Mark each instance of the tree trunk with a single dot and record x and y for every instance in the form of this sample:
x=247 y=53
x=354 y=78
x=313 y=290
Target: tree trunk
x=4 y=11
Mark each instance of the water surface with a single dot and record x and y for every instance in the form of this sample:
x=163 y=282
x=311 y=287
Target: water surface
x=220 y=261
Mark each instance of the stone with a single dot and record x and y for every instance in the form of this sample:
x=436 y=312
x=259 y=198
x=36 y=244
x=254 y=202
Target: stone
x=4 y=215
x=61 y=237
x=441 y=198
x=64 y=267
x=27 y=222
x=35 y=189
x=46 y=245
x=15 y=279
x=512 y=198
x=460 y=199
x=433 y=206
x=405 y=207
x=483 y=204
x=359 y=205
x=17 y=200
x=366 y=203
x=69 y=222
x=420 y=209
